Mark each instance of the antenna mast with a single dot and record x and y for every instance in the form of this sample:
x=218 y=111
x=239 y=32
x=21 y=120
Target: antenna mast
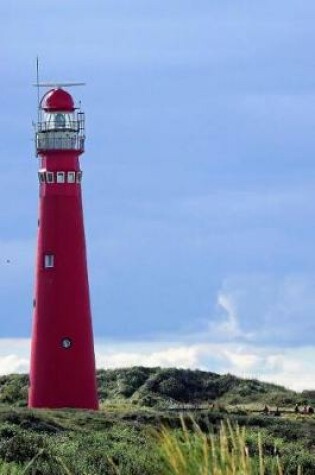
x=37 y=84
x=58 y=84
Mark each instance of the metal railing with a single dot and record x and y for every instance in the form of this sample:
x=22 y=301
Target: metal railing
x=50 y=126
x=45 y=141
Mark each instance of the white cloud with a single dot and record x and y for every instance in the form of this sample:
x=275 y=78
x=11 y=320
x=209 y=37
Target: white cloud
x=242 y=361
x=266 y=309
x=229 y=326
x=13 y=364
x=292 y=367
x=179 y=356
x=14 y=355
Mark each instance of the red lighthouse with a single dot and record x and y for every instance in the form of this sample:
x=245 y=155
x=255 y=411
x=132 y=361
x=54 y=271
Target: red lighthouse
x=62 y=355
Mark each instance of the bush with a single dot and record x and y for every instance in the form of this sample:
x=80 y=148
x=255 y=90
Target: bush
x=22 y=447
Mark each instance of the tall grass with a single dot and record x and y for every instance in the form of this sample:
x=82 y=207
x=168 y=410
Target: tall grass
x=184 y=451
x=193 y=452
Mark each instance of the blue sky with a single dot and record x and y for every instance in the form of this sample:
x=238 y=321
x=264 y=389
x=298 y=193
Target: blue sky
x=198 y=178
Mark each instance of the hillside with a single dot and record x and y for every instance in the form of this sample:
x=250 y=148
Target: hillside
x=156 y=386
x=165 y=387
x=135 y=404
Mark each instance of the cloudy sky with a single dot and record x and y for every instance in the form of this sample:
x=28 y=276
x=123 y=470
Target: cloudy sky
x=198 y=184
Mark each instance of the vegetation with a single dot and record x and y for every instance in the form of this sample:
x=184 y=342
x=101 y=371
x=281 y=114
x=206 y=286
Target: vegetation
x=155 y=421
x=160 y=387
x=232 y=452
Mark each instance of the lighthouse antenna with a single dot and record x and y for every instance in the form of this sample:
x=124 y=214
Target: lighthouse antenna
x=37 y=84
x=58 y=84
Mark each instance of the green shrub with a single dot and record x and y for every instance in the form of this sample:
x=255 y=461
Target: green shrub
x=22 y=447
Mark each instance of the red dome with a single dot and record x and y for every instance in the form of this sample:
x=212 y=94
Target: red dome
x=57 y=100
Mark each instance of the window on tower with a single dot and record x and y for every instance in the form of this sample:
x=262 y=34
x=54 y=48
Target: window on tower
x=49 y=261
x=71 y=177
x=41 y=177
x=49 y=177
x=66 y=343
x=60 y=177
x=79 y=177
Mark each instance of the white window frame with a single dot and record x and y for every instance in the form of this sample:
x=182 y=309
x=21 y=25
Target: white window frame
x=71 y=177
x=50 y=177
x=49 y=261
x=79 y=177
x=42 y=176
x=60 y=177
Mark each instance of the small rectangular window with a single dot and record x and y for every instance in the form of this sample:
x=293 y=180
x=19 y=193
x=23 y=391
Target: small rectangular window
x=50 y=177
x=60 y=177
x=41 y=177
x=49 y=261
x=79 y=177
x=71 y=177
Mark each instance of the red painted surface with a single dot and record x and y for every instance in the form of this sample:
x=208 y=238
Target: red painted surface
x=62 y=377
x=57 y=99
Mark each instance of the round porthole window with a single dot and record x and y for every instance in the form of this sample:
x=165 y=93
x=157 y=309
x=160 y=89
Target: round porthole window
x=66 y=343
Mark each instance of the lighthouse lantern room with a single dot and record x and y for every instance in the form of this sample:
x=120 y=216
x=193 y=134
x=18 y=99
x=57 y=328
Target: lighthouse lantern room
x=61 y=126
x=62 y=351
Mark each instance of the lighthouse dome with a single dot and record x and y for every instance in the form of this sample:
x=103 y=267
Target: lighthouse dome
x=57 y=100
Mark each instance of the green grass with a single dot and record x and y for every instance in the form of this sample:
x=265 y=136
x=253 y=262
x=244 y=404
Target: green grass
x=228 y=453
x=188 y=450
x=126 y=437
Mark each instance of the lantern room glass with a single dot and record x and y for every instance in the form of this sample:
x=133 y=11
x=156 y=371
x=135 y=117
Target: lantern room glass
x=59 y=120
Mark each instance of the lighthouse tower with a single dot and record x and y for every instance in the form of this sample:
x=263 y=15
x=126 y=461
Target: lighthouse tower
x=62 y=354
